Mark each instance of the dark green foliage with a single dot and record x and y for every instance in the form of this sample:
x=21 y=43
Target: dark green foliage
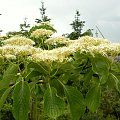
x=21 y=98
x=42 y=26
x=77 y=24
x=53 y=105
x=44 y=18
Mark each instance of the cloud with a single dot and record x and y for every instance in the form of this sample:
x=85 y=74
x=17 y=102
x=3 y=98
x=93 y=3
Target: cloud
x=103 y=13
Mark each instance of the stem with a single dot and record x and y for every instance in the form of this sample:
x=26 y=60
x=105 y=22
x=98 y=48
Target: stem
x=33 y=111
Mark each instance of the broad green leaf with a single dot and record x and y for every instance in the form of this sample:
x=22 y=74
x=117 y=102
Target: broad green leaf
x=115 y=67
x=42 y=68
x=12 y=69
x=21 y=97
x=113 y=82
x=9 y=76
x=56 y=84
x=31 y=74
x=53 y=104
x=87 y=76
x=76 y=102
x=103 y=78
x=7 y=80
x=101 y=66
x=66 y=67
x=93 y=98
x=4 y=96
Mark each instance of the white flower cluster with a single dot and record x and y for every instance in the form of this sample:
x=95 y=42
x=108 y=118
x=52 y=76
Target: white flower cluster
x=11 y=51
x=84 y=44
x=58 y=54
x=61 y=54
x=55 y=40
x=93 y=41
x=18 y=40
x=41 y=33
x=106 y=49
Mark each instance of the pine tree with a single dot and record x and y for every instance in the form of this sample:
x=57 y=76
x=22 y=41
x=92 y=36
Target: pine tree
x=24 y=27
x=44 y=18
x=77 y=24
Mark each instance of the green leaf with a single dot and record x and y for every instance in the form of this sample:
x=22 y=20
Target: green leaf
x=7 y=80
x=113 y=82
x=93 y=98
x=76 y=102
x=12 y=69
x=101 y=66
x=21 y=97
x=87 y=77
x=56 y=84
x=42 y=68
x=9 y=76
x=32 y=74
x=4 y=96
x=53 y=104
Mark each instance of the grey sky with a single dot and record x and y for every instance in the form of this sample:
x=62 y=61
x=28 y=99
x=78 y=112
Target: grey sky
x=102 y=13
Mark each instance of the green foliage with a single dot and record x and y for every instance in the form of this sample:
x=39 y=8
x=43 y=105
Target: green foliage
x=76 y=102
x=77 y=25
x=42 y=26
x=53 y=104
x=9 y=76
x=73 y=35
x=76 y=88
x=101 y=66
x=21 y=97
x=93 y=98
x=4 y=96
x=44 y=18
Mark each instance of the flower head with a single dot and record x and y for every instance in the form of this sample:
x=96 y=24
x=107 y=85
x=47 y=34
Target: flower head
x=41 y=33
x=55 y=40
x=18 y=40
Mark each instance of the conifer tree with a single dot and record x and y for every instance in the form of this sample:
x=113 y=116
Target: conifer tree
x=77 y=24
x=44 y=18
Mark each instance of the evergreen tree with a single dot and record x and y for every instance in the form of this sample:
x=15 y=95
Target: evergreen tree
x=24 y=30
x=24 y=27
x=77 y=26
x=44 y=18
x=88 y=33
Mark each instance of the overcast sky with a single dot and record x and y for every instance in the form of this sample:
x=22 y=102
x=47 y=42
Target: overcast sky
x=102 y=13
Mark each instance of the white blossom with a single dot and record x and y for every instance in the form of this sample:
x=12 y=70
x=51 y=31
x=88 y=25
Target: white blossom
x=41 y=33
x=18 y=40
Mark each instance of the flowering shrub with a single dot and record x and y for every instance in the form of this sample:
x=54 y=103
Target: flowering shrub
x=68 y=77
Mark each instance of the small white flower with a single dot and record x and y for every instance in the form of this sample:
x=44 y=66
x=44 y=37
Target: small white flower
x=18 y=40
x=41 y=33
x=55 y=40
